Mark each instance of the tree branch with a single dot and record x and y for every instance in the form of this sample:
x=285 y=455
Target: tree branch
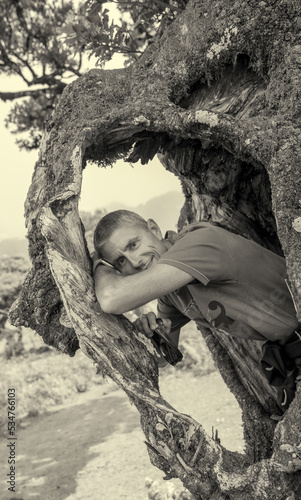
x=10 y=96
x=26 y=64
x=11 y=64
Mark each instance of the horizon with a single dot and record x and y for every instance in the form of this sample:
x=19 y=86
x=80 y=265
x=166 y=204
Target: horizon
x=147 y=209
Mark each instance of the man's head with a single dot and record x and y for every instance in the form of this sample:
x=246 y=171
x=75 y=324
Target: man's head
x=127 y=241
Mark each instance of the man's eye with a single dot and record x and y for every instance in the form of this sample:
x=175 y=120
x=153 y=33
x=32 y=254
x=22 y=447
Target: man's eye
x=121 y=262
x=134 y=244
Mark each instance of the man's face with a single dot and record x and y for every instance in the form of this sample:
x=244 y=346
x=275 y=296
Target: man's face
x=132 y=249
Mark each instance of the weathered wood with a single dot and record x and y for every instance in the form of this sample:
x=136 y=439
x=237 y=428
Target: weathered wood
x=217 y=97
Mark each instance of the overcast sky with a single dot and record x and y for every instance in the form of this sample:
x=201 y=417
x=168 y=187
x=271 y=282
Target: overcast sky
x=127 y=185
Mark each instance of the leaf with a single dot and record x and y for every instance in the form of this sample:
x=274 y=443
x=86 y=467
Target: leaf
x=297 y=463
x=287 y=447
x=168 y=418
x=291 y=497
x=67 y=29
x=94 y=18
x=152 y=439
x=103 y=38
x=190 y=433
x=161 y=427
x=164 y=450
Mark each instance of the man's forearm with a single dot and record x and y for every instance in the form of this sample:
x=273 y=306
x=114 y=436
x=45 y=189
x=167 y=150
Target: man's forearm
x=118 y=293
x=106 y=281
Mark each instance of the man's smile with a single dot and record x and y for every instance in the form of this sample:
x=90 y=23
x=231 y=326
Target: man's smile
x=149 y=263
x=144 y=267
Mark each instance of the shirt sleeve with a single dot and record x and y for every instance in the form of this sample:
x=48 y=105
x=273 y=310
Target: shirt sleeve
x=204 y=254
x=167 y=310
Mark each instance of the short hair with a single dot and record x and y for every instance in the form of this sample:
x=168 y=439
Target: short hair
x=112 y=221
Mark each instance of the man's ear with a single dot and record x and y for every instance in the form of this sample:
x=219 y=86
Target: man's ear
x=154 y=228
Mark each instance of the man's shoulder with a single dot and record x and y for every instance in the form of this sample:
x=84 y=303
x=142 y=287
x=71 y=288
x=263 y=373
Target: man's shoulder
x=193 y=237
x=204 y=230
x=201 y=250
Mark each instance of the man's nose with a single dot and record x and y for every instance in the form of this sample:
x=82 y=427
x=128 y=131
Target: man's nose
x=135 y=261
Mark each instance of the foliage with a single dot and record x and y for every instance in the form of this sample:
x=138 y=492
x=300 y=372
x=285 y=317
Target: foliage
x=31 y=49
x=29 y=45
x=29 y=116
x=197 y=358
x=141 y=22
x=43 y=381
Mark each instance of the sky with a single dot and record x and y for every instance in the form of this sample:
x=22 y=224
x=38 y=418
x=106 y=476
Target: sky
x=123 y=184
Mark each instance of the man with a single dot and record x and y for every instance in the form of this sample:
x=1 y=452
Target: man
x=205 y=273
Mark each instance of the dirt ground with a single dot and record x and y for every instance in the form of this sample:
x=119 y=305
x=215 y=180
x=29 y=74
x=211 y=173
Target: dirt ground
x=92 y=448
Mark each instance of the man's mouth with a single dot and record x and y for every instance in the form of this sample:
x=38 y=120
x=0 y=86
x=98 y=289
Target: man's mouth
x=147 y=266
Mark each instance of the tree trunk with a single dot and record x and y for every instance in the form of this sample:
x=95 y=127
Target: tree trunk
x=217 y=98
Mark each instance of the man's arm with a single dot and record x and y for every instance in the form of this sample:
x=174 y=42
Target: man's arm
x=117 y=293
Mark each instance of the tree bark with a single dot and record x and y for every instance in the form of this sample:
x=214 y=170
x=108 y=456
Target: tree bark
x=217 y=98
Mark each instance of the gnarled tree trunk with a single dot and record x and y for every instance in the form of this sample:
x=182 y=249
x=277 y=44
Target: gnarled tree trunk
x=218 y=98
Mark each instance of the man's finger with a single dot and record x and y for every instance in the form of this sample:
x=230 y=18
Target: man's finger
x=152 y=320
x=167 y=324
x=145 y=325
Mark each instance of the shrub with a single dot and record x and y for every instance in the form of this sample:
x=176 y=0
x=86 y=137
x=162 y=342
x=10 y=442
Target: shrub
x=43 y=381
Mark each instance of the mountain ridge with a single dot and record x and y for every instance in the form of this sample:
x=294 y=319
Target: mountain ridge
x=164 y=209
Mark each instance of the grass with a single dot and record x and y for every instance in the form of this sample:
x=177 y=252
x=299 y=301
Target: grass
x=42 y=381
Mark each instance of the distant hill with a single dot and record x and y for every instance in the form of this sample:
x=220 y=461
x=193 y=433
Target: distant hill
x=14 y=246
x=164 y=209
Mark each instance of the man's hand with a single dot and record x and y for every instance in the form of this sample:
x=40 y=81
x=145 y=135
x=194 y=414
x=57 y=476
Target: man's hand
x=147 y=323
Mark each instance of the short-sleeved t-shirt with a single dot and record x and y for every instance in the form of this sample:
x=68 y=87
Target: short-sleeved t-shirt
x=239 y=287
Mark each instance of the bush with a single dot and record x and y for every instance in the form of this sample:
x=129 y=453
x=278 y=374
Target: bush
x=196 y=355
x=43 y=381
